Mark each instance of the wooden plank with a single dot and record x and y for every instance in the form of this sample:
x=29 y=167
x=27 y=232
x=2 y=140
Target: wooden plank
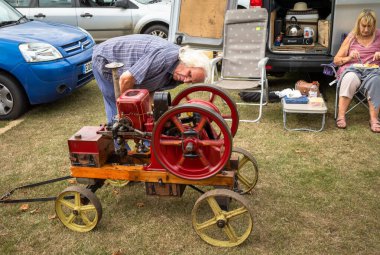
x=273 y=17
x=313 y=48
x=137 y=173
x=202 y=18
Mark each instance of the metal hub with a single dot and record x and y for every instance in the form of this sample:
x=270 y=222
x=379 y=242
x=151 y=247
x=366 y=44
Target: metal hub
x=6 y=100
x=159 y=33
x=190 y=145
x=221 y=223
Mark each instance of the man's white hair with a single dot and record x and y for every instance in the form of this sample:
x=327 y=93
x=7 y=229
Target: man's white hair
x=196 y=58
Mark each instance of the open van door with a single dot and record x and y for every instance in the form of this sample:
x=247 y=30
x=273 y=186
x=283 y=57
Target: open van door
x=199 y=23
x=346 y=12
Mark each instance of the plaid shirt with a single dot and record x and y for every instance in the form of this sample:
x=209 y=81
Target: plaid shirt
x=150 y=59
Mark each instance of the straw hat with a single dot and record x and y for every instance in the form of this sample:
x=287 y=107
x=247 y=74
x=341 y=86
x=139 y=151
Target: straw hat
x=300 y=6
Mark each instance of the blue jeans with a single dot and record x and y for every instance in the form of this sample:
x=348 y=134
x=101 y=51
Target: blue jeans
x=106 y=87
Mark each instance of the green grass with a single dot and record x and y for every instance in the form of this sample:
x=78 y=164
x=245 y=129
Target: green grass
x=3 y=123
x=318 y=193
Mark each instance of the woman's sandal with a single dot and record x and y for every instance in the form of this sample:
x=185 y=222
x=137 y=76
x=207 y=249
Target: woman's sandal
x=341 y=123
x=375 y=126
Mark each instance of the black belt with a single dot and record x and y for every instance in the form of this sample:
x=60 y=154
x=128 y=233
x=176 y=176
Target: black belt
x=4 y=198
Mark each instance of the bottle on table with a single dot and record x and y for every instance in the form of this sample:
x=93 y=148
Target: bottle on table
x=313 y=92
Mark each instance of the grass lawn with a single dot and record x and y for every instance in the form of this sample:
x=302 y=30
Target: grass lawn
x=318 y=193
x=3 y=123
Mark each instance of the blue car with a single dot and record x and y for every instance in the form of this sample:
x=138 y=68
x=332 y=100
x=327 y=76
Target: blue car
x=39 y=62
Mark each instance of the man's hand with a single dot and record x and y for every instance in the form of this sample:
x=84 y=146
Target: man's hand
x=126 y=81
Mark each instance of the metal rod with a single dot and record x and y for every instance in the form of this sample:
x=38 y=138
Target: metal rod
x=197 y=189
x=114 y=66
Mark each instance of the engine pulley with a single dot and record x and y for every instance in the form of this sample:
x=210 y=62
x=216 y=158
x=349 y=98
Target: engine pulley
x=192 y=141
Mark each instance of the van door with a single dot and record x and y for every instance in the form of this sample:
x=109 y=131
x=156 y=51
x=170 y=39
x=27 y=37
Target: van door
x=346 y=12
x=199 y=23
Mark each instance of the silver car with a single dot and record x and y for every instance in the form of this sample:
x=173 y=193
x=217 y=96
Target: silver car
x=102 y=18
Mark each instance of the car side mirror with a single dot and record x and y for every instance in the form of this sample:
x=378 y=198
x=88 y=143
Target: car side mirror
x=122 y=4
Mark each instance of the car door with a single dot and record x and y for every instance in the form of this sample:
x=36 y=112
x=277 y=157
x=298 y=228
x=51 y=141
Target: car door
x=191 y=25
x=103 y=20
x=61 y=11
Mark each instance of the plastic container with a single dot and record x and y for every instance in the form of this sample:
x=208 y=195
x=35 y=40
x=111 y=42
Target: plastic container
x=313 y=92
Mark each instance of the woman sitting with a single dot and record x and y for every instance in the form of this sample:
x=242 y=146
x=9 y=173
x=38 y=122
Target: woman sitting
x=360 y=50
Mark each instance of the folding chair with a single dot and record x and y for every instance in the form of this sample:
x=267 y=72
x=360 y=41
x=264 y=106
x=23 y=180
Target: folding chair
x=330 y=69
x=243 y=65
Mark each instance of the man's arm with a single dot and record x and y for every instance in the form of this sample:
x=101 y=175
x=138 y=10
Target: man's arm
x=126 y=81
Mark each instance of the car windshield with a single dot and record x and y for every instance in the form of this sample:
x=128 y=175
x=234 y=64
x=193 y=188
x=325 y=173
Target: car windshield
x=9 y=15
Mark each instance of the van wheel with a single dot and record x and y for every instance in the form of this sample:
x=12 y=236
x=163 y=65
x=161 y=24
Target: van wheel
x=13 y=102
x=158 y=30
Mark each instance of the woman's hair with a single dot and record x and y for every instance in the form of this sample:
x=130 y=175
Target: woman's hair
x=195 y=58
x=369 y=18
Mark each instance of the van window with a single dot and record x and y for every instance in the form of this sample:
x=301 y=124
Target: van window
x=96 y=3
x=55 y=3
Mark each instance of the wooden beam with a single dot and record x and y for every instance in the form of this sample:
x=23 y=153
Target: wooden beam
x=138 y=174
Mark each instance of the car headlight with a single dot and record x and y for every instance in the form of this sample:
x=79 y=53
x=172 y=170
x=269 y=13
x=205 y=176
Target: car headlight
x=38 y=52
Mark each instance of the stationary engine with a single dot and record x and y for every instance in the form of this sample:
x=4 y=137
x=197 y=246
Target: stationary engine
x=179 y=143
x=184 y=142
x=190 y=139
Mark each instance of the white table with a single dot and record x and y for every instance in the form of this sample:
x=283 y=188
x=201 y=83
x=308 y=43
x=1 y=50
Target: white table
x=305 y=109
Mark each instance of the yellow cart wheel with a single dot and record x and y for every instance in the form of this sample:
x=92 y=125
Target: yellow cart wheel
x=78 y=209
x=247 y=172
x=117 y=183
x=219 y=223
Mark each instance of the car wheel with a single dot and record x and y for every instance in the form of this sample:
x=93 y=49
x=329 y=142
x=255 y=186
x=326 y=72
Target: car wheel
x=13 y=101
x=158 y=30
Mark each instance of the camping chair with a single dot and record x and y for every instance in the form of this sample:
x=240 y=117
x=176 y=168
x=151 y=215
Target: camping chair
x=243 y=65
x=330 y=70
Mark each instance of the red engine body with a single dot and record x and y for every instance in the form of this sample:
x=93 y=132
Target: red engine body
x=133 y=105
x=87 y=148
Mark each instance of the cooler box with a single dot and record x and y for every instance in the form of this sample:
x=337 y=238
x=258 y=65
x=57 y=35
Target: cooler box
x=304 y=19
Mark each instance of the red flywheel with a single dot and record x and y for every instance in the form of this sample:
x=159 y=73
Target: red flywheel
x=212 y=97
x=192 y=141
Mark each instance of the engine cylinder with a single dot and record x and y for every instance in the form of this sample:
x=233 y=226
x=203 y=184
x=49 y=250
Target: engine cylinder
x=133 y=104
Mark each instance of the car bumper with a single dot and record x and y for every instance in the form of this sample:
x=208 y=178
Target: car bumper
x=48 y=81
x=298 y=63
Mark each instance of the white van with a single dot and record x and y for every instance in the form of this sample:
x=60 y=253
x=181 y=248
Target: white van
x=329 y=19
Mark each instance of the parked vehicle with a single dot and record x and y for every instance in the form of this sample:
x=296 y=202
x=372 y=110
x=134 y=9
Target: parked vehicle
x=39 y=62
x=103 y=19
x=329 y=19
x=295 y=49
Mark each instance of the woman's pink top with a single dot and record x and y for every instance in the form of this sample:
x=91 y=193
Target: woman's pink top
x=366 y=52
